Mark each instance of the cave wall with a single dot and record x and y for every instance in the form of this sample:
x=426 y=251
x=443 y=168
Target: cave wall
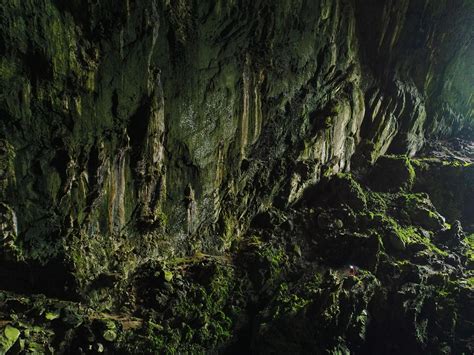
x=139 y=130
x=419 y=54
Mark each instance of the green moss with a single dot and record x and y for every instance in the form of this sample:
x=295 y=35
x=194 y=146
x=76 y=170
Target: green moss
x=8 y=337
x=7 y=69
x=168 y=275
x=354 y=185
x=348 y=191
x=272 y=259
x=400 y=236
x=411 y=174
x=410 y=235
x=393 y=173
x=269 y=257
x=449 y=185
x=7 y=168
x=201 y=313
x=230 y=223
x=254 y=241
x=470 y=282
x=161 y=217
x=470 y=244
x=287 y=302
x=327 y=172
x=412 y=200
x=456 y=163
x=51 y=315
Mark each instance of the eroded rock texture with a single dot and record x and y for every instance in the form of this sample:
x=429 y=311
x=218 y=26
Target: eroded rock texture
x=140 y=134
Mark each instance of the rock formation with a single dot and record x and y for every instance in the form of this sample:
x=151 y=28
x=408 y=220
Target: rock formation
x=189 y=176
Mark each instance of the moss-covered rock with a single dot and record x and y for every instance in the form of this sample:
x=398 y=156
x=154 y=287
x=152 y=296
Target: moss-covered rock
x=450 y=187
x=392 y=174
x=343 y=189
x=188 y=163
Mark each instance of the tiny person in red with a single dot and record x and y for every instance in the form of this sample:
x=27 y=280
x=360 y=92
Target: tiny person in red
x=352 y=270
